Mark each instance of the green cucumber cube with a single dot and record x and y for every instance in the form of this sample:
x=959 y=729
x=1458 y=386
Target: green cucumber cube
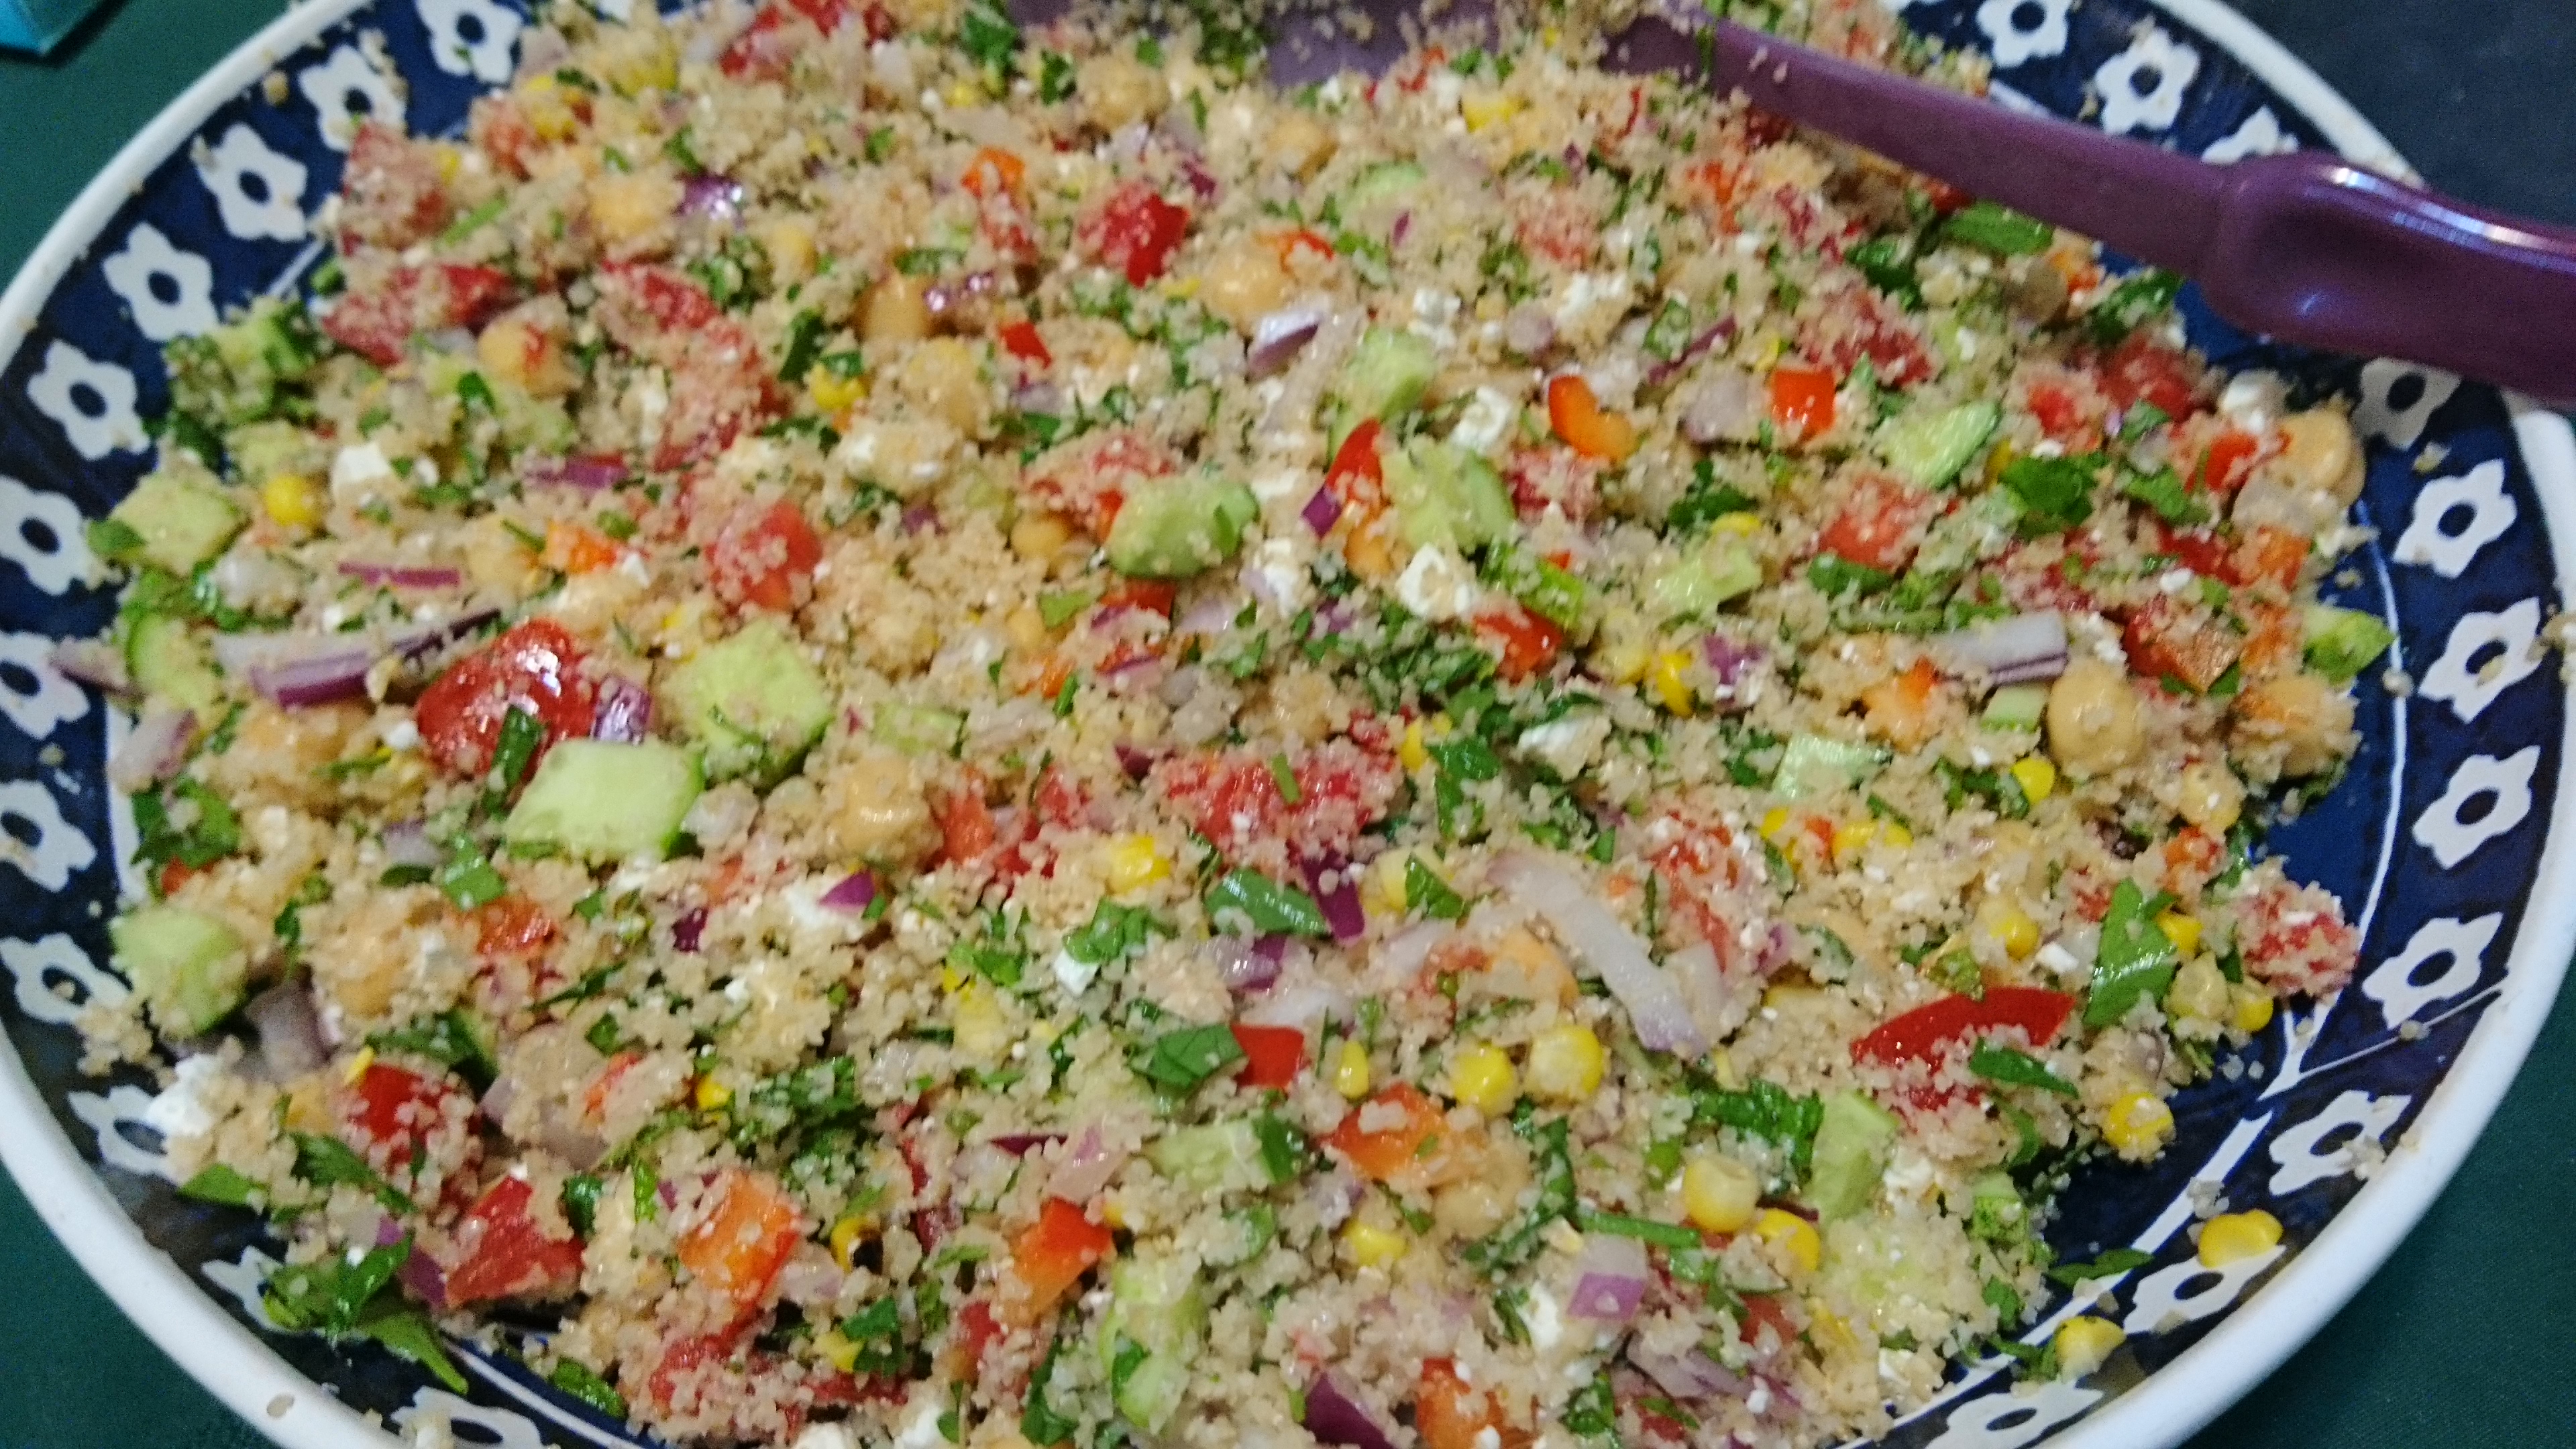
x=189 y=967
x=177 y=522
x=1851 y=1152
x=2342 y=642
x=604 y=802
x=1928 y=446
x=1179 y=528
x=752 y=702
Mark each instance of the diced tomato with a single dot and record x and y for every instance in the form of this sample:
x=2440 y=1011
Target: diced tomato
x=500 y=1251
x=391 y=192
x=1765 y=128
x=1235 y=800
x=511 y=925
x=1136 y=231
x=1154 y=596
x=1272 y=1055
x=2192 y=856
x=392 y=1111
x=682 y=1360
x=1802 y=402
x=1413 y=1147
x=1450 y=1413
x=2056 y=408
x=2225 y=464
x=1529 y=642
x=578 y=548
x=1865 y=324
x=650 y=304
x=1576 y=416
x=1288 y=243
x=1765 y=1310
x=1921 y=1034
x=1558 y=225
x=1021 y=340
x=966 y=827
x=175 y=874
x=1357 y=477
x=2271 y=555
x=2295 y=939
x=379 y=321
x=1051 y=1255
x=536 y=667
x=765 y=559
x=2169 y=639
x=1088 y=480
x=2199 y=550
x=2142 y=369
x=1881 y=523
x=740 y=1247
x=994 y=172
x=1946 y=198
x=767 y=47
x=978 y=1329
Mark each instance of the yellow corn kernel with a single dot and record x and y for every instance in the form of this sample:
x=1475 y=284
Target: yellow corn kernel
x=1791 y=1234
x=710 y=1094
x=1488 y=108
x=1623 y=649
x=2199 y=992
x=1719 y=1194
x=291 y=499
x=1670 y=678
x=1895 y=834
x=981 y=1029
x=2182 y=930
x=1738 y=523
x=1351 y=1071
x=1382 y=888
x=451 y=163
x=1113 y=1213
x=1775 y=824
x=837 y=1351
x=2016 y=932
x=1566 y=1062
x=1373 y=1246
x=2085 y=1343
x=2138 y=1125
x=2253 y=1009
x=358 y=1065
x=549 y=111
x=1135 y=862
x=1829 y=1330
x=2235 y=1237
x=1181 y=289
x=1411 y=753
x=1482 y=1077
x=847 y=1234
x=952 y=980
x=1850 y=840
x=2037 y=778
x=833 y=393
x=962 y=93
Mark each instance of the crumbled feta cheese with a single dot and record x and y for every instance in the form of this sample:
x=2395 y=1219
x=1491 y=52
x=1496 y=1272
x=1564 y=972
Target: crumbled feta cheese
x=1281 y=563
x=1566 y=745
x=403 y=736
x=357 y=471
x=1073 y=974
x=1488 y=417
x=2058 y=959
x=2174 y=581
x=1539 y=1315
x=180 y=1110
x=1437 y=585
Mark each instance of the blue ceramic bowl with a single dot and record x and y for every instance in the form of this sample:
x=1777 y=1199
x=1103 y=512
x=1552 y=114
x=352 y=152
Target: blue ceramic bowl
x=2344 y=1120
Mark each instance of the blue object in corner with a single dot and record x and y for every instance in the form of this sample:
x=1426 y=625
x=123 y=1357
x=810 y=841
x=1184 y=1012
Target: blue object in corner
x=38 y=25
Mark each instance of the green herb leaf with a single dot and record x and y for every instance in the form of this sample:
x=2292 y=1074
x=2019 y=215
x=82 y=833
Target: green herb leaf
x=2164 y=493
x=1644 y=1230
x=1998 y=229
x=1178 y=1061
x=330 y=1162
x=1113 y=932
x=577 y=1380
x=1552 y=1146
x=452 y=1038
x=217 y=1183
x=1429 y=894
x=2055 y=494
x=1765 y=1110
x=2016 y=1069
x=2136 y=960
x=1269 y=905
x=2138 y=297
x=2116 y=1261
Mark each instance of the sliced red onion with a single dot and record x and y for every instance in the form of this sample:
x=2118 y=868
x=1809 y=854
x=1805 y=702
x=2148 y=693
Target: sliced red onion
x=1334 y=1417
x=1730 y=659
x=1321 y=511
x=689 y=930
x=408 y=843
x=1086 y=1169
x=1528 y=330
x=810 y=1277
x=856 y=892
x=669 y=1193
x=1202 y=180
x=1041 y=397
x=1653 y=1000
x=296 y=670
x=290 y=1031
x=1337 y=889
x=1211 y=615
x=1021 y=1144
x=1402 y=229
x=93 y=662
x=421 y=638
x=1664 y=372
x=1399 y=959
x=1609 y=1279
x=1279 y=336
x=402 y=576
x=1297 y=1000
x=1248 y=963
x=711 y=198
x=589 y=472
x=950 y=299
x=622 y=713
x=2018 y=650
x=1688 y=1375
x=154 y=751
x=1137 y=763
x=1721 y=408
x=1717 y=1004
x=419 y=1271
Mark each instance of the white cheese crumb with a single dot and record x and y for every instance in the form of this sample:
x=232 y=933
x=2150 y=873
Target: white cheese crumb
x=1487 y=418
x=1437 y=585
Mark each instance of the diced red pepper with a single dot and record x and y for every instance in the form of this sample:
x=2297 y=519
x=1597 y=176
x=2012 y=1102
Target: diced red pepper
x=2141 y=369
x=1922 y=1034
x=1021 y=340
x=765 y=558
x=1415 y=1146
x=1577 y=418
x=1528 y=641
x=2168 y=639
x=1050 y=1255
x=766 y=48
x=1272 y=1055
x=1881 y=523
x=2271 y=555
x=741 y=1246
x=1802 y=402
x=511 y=925
x=1136 y=231
x=502 y=1253
x=994 y=172
x=2226 y=463
x=1154 y=596
x=535 y=667
x=1357 y=477
x=2056 y=409
x=966 y=826
x=1288 y=243
x=1450 y=1413
x=1765 y=1310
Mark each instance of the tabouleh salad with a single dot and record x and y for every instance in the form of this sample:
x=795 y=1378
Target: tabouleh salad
x=880 y=728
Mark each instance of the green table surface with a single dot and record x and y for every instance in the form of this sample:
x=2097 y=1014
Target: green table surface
x=2460 y=1340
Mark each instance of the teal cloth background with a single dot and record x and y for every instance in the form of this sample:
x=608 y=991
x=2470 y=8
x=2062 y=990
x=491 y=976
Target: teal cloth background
x=2461 y=1340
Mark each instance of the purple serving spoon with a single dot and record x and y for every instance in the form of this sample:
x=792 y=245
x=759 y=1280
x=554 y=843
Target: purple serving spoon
x=2303 y=247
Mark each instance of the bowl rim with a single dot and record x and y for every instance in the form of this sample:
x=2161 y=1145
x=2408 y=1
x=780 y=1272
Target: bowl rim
x=231 y=1362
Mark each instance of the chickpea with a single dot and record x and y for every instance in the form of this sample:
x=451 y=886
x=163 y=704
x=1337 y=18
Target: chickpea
x=2093 y=725
x=1039 y=536
x=789 y=241
x=1300 y=144
x=517 y=350
x=2200 y=991
x=1118 y=91
x=632 y=210
x=2319 y=451
x=876 y=809
x=944 y=378
x=1244 y=282
x=2212 y=796
x=897 y=310
x=2301 y=717
x=1027 y=631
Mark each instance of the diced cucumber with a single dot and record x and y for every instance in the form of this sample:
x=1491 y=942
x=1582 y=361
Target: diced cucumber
x=753 y=703
x=233 y=374
x=919 y=729
x=1213 y=1157
x=1928 y=446
x=177 y=522
x=1385 y=183
x=2342 y=642
x=1445 y=495
x=1813 y=763
x=1386 y=374
x=1722 y=567
x=606 y=802
x=526 y=420
x=2016 y=707
x=188 y=967
x=1996 y=1212
x=1852 y=1145
x=168 y=663
x=260 y=451
x=1150 y=1337
x=1181 y=527
x=1976 y=530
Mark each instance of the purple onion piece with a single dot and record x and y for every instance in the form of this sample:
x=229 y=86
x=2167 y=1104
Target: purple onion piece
x=402 y=576
x=1038 y=397
x=1528 y=330
x=1278 y=337
x=1135 y=762
x=1688 y=1375
x=1402 y=229
x=1606 y=1297
x=1243 y=965
x=669 y=1194
x=2011 y=651
x=711 y=198
x=855 y=892
x=1721 y=408
x=1334 y=1417
x=1321 y=511
x=622 y=713
x=1021 y=1144
x=2030 y=671
x=93 y=662
x=155 y=751
x=591 y=472
x=296 y=670
x=1340 y=900
x=290 y=1031
x=1730 y=659
x=409 y=844
x=920 y=518
x=1664 y=372
x=687 y=931
x=419 y=1271
x=424 y=637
